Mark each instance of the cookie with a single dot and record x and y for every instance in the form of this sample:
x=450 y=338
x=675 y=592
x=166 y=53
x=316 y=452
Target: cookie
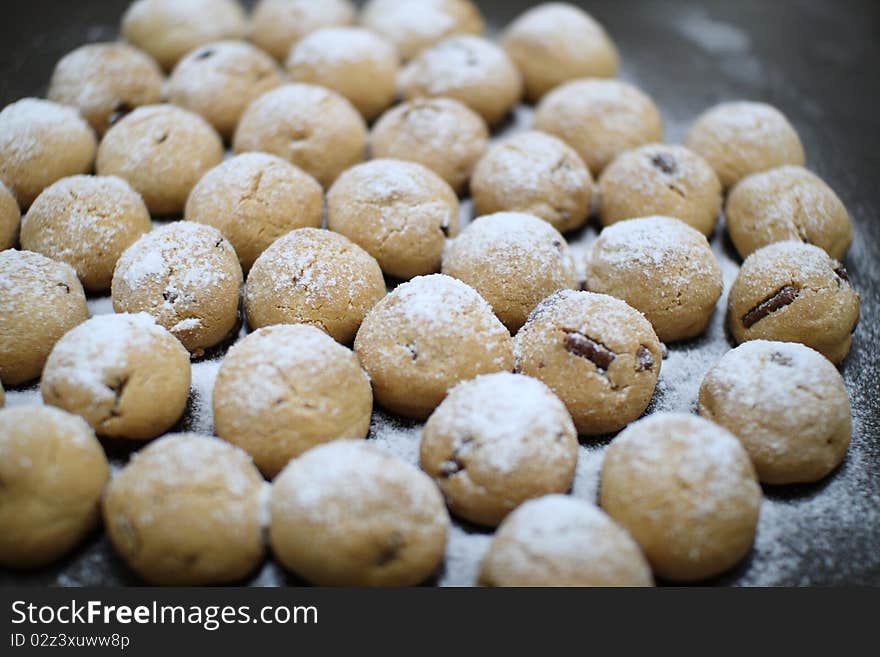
x=188 y=510
x=187 y=277
x=425 y=337
x=660 y=179
x=794 y=292
x=277 y=25
x=741 y=138
x=514 y=261
x=317 y=277
x=401 y=213
x=558 y=540
x=253 y=199
x=87 y=222
x=599 y=119
x=40 y=300
x=661 y=267
x=53 y=471
x=350 y=514
x=786 y=203
x=497 y=441
x=285 y=389
x=599 y=355
x=10 y=218
x=686 y=491
x=125 y=375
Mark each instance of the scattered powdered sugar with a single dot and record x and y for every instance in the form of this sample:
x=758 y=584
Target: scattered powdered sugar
x=711 y=35
x=338 y=46
x=459 y=62
x=424 y=19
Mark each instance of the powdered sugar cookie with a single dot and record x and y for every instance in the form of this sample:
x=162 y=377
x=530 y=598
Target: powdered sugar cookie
x=277 y=25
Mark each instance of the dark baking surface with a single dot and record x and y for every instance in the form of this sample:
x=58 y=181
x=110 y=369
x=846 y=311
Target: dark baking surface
x=816 y=61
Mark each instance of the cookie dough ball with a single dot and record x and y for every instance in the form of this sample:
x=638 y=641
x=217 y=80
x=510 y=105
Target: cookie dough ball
x=742 y=138
x=599 y=355
x=660 y=179
x=440 y=133
x=41 y=142
x=497 y=441
x=469 y=69
x=794 y=292
x=314 y=128
x=53 y=471
x=661 y=267
x=787 y=203
x=219 y=80
x=766 y=393
x=162 y=151
x=188 y=510
x=350 y=514
x=600 y=119
x=424 y=338
x=400 y=212
x=10 y=217
x=40 y=300
x=168 y=29
x=514 y=261
x=276 y=25
x=556 y=42
x=685 y=489
x=87 y=222
x=124 y=374
x=253 y=199
x=535 y=173
x=413 y=25
x=106 y=81
x=285 y=389
x=317 y=277
x=559 y=540
x=352 y=61
x=185 y=275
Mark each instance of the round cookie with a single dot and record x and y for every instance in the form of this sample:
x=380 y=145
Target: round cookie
x=660 y=179
x=40 y=300
x=53 y=471
x=765 y=393
x=413 y=25
x=559 y=540
x=41 y=142
x=556 y=42
x=400 y=212
x=440 y=133
x=87 y=222
x=124 y=374
x=599 y=119
x=350 y=514
x=188 y=510
x=741 y=138
x=162 y=151
x=497 y=441
x=514 y=261
x=424 y=338
x=185 y=275
x=535 y=173
x=686 y=491
x=253 y=199
x=600 y=356
x=469 y=69
x=786 y=203
x=317 y=277
x=168 y=29
x=285 y=389
x=794 y=292
x=314 y=128
x=106 y=81
x=219 y=80
x=353 y=62
x=661 y=267
x=277 y=25
x=10 y=217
